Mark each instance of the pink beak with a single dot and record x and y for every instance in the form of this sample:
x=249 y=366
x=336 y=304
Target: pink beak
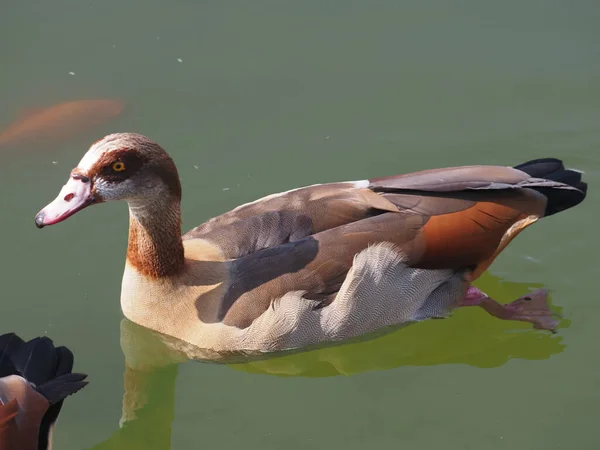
x=73 y=197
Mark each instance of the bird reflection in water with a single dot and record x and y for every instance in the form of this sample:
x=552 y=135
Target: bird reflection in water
x=471 y=337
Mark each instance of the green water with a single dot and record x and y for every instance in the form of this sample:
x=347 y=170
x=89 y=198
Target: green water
x=271 y=95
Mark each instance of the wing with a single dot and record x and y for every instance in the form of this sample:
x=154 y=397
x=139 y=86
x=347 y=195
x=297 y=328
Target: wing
x=467 y=232
x=289 y=217
x=305 y=240
x=296 y=214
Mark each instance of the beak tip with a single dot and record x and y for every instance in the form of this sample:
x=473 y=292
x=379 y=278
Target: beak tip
x=39 y=220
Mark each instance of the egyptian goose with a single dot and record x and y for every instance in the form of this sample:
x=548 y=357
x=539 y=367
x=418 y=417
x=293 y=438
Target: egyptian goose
x=316 y=264
x=35 y=378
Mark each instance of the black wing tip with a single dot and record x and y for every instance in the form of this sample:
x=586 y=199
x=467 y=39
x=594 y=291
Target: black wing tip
x=546 y=163
x=553 y=169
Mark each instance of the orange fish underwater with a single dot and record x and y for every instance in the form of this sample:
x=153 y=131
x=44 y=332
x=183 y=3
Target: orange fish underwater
x=60 y=121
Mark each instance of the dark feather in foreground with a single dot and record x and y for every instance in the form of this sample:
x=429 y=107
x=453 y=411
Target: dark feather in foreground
x=47 y=370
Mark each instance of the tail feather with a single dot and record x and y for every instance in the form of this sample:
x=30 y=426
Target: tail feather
x=560 y=198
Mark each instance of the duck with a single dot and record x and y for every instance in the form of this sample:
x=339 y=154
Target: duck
x=316 y=264
x=35 y=378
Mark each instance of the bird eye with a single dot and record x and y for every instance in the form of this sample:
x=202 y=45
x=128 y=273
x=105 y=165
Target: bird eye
x=118 y=166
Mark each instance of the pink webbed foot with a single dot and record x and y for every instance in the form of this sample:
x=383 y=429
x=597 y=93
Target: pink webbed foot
x=473 y=297
x=532 y=307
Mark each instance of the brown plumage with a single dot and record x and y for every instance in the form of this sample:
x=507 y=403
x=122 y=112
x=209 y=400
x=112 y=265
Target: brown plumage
x=228 y=271
x=35 y=378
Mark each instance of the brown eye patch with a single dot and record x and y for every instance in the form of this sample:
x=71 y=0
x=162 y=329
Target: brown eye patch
x=118 y=165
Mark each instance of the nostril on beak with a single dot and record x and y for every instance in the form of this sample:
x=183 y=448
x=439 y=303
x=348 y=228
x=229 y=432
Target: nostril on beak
x=39 y=220
x=69 y=197
x=80 y=177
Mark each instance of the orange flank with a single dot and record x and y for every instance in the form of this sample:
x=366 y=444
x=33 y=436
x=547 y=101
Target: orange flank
x=59 y=122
